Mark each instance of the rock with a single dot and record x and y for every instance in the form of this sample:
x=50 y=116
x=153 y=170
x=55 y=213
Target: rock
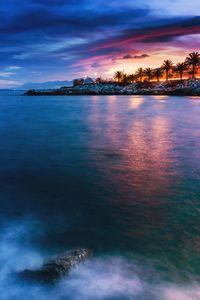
x=176 y=87
x=57 y=268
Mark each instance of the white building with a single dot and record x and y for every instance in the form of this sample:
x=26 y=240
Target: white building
x=88 y=80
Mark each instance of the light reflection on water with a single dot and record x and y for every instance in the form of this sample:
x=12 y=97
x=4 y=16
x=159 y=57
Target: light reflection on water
x=161 y=98
x=147 y=162
x=136 y=102
x=142 y=165
x=117 y=174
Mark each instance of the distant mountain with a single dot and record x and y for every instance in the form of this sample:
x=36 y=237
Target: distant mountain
x=45 y=85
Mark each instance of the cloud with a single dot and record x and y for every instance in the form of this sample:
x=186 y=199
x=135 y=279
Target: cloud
x=6 y=74
x=69 y=19
x=168 y=30
x=21 y=56
x=8 y=83
x=164 y=30
x=11 y=68
x=61 y=35
x=129 y=56
x=9 y=71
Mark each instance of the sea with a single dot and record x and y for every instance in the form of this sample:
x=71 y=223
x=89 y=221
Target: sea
x=118 y=175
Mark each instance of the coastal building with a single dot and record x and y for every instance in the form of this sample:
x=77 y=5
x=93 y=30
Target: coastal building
x=88 y=80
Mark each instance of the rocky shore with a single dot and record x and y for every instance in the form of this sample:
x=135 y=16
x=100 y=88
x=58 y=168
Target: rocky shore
x=178 y=88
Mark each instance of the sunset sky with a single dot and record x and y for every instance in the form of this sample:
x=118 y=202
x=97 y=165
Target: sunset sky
x=44 y=40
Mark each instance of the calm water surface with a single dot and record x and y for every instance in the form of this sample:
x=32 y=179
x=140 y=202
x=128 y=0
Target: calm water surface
x=119 y=175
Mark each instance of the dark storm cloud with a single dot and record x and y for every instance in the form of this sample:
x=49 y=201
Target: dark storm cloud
x=67 y=19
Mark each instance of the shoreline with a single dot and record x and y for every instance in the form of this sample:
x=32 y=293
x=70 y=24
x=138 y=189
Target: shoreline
x=171 y=88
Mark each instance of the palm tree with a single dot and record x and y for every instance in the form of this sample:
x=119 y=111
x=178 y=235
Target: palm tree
x=158 y=73
x=99 y=80
x=167 y=67
x=139 y=74
x=124 y=79
x=130 y=78
x=149 y=73
x=180 y=68
x=119 y=75
x=193 y=60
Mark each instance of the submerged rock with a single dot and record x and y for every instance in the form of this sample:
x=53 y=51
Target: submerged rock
x=57 y=268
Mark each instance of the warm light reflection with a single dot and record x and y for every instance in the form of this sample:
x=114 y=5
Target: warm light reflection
x=150 y=143
x=145 y=145
x=136 y=102
x=95 y=98
x=112 y=98
x=104 y=118
x=160 y=98
x=134 y=153
x=194 y=98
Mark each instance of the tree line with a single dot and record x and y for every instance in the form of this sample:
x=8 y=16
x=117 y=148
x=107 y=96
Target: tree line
x=167 y=70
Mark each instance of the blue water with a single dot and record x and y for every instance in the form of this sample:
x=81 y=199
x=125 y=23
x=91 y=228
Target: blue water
x=118 y=175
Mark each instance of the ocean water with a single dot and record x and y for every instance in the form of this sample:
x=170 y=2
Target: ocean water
x=118 y=175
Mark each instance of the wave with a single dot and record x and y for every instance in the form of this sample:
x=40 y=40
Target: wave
x=102 y=277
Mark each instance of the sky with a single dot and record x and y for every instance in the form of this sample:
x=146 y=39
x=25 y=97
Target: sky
x=46 y=40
